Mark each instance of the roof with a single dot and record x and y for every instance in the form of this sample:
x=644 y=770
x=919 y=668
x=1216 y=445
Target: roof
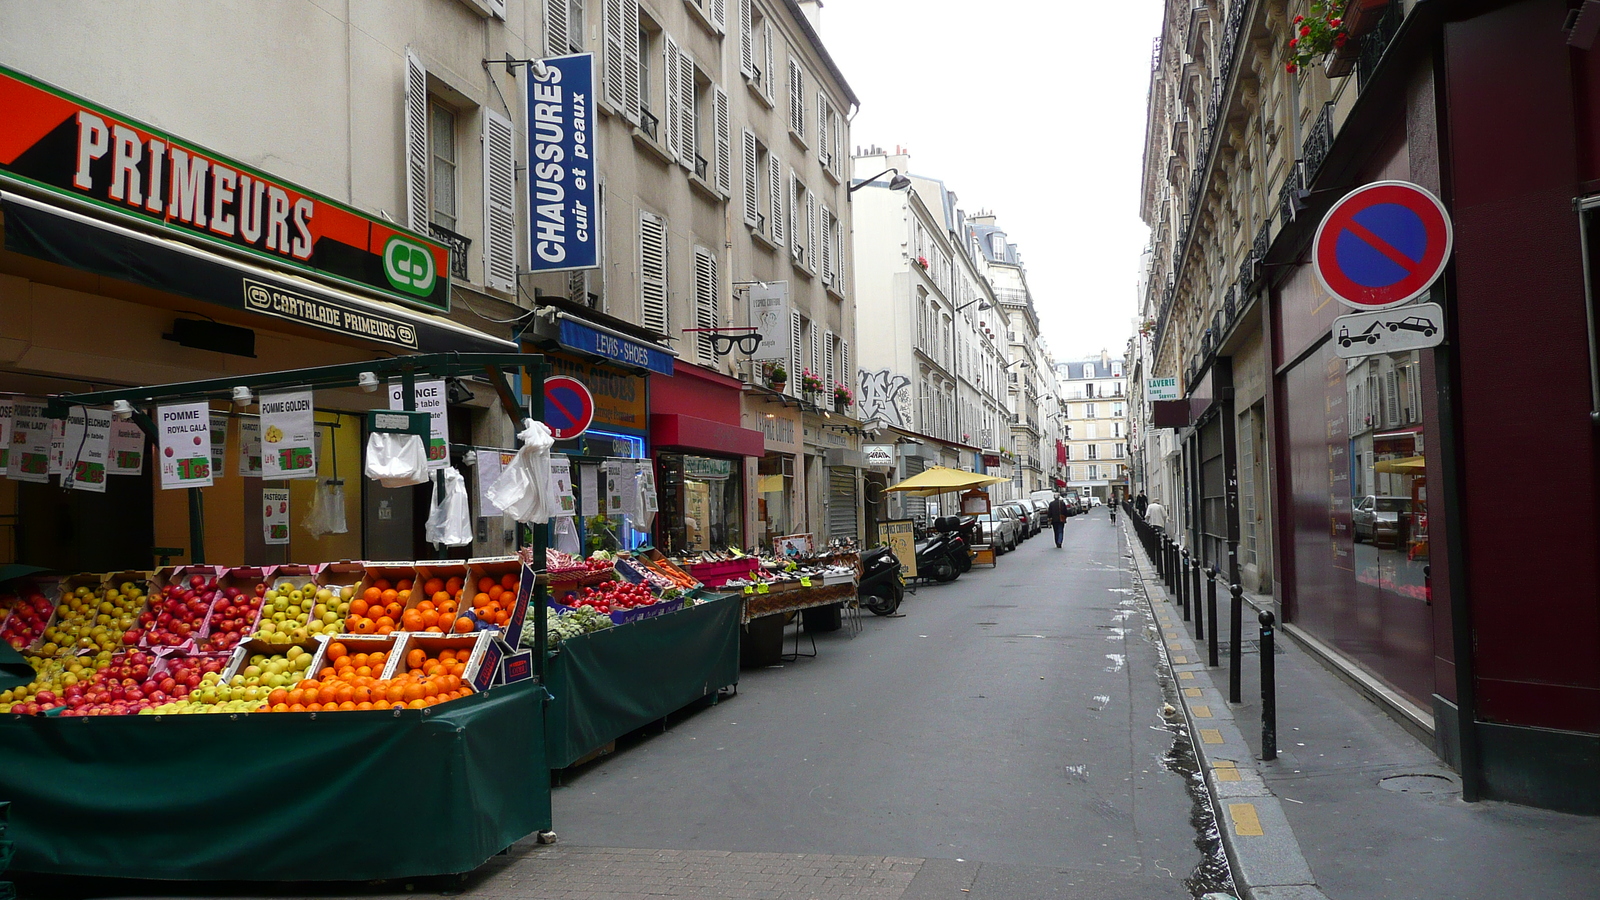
x=803 y=22
x=1074 y=368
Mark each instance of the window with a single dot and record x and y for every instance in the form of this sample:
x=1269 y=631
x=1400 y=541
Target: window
x=1116 y=368
x=679 y=73
x=442 y=164
x=624 y=44
x=1094 y=473
x=1116 y=411
x=1088 y=389
x=648 y=120
x=563 y=27
x=653 y=271
x=1088 y=371
x=1088 y=410
x=707 y=305
x=702 y=501
x=1116 y=429
x=1119 y=451
x=775 y=190
x=755 y=167
x=1094 y=451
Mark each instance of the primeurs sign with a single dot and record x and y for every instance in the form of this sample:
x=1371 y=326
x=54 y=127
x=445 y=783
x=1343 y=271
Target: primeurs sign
x=57 y=141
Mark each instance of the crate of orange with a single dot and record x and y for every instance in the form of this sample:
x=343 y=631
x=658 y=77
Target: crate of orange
x=493 y=604
x=381 y=599
x=444 y=588
x=516 y=582
x=349 y=677
x=430 y=655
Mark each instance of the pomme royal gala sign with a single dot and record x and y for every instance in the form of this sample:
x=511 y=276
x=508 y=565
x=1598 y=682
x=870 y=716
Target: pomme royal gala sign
x=67 y=145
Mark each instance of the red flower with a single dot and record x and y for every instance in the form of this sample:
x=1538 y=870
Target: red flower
x=1335 y=23
x=1305 y=30
x=1340 y=38
x=1299 y=19
x=1294 y=42
x=1290 y=68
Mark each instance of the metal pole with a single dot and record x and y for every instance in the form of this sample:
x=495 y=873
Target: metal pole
x=197 y=527
x=1199 y=612
x=1235 y=640
x=1269 y=690
x=1183 y=583
x=1211 y=615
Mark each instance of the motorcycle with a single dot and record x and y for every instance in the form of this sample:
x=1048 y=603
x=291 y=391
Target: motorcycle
x=960 y=531
x=881 y=588
x=935 y=558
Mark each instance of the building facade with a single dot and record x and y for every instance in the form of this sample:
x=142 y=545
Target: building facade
x=1095 y=396
x=1364 y=492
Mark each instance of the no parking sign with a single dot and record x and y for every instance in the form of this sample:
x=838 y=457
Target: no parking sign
x=1382 y=245
x=568 y=407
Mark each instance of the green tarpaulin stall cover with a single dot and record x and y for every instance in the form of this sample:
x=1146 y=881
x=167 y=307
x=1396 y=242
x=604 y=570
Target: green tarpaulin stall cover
x=278 y=796
x=608 y=683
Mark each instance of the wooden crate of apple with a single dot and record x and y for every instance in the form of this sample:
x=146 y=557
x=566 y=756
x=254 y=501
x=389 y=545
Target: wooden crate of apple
x=93 y=615
x=177 y=611
x=24 y=615
x=136 y=681
x=294 y=610
x=613 y=597
x=52 y=676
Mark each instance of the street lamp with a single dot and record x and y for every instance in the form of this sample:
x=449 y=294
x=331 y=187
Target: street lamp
x=897 y=183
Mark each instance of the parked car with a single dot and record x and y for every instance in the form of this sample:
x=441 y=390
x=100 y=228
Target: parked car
x=1074 y=502
x=1381 y=520
x=1023 y=515
x=1041 y=513
x=999 y=530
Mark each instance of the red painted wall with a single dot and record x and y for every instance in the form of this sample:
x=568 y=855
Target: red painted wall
x=693 y=391
x=1521 y=140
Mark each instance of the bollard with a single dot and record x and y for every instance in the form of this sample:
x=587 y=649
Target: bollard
x=1183 y=582
x=1269 y=690
x=1159 y=553
x=1235 y=639
x=1211 y=615
x=1166 y=561
x=1195 y=566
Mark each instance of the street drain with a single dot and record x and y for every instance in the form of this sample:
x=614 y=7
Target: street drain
x=988 y=623
x=1420 y=783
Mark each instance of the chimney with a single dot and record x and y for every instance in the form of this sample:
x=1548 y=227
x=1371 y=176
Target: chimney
x=813 y=11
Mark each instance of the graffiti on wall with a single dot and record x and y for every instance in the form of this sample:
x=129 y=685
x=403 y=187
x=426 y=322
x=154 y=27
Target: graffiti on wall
x=884 y=396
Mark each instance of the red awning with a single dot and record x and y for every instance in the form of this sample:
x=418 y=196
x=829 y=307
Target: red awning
x=670 y=430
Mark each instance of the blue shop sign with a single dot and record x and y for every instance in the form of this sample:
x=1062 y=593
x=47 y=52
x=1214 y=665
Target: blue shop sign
x=584 y=339
x=562 y=197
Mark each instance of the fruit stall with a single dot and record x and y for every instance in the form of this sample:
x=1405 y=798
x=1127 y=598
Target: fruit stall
x=815 y=582
x=632 y=638
x=205 y=722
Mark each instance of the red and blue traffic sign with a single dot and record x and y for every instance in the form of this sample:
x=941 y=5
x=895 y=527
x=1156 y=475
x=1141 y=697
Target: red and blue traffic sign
x=568 y=407
x=1382 y=245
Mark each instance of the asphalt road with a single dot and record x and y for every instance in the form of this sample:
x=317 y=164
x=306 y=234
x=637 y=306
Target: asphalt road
x=1007 y=731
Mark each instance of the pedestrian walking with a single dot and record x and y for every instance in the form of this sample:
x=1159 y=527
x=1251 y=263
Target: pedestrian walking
x=1156 y=515
x=1140 y=502
x=1058 y=517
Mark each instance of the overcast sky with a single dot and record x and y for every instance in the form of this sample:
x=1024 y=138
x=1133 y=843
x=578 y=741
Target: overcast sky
x=1035 y=111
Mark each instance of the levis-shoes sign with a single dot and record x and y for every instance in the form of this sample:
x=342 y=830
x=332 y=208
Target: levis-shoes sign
x=53 y=140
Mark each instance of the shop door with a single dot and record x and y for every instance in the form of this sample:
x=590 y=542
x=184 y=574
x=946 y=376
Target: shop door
x=842 y=503
x=1213 y=495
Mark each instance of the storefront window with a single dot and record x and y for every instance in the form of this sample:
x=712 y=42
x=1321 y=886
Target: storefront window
x=775 y=487
x=1388 y=473
x=702 y=502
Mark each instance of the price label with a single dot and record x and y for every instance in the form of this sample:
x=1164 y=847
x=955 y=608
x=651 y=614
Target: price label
x=749 y=590
x=761 y=588
x=805 y=581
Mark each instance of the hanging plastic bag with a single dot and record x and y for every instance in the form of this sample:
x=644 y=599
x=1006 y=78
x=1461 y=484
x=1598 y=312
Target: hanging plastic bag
x=316 y=518
x=525 y=489
x=449 y=520
x=396 y=460
x=326 y=513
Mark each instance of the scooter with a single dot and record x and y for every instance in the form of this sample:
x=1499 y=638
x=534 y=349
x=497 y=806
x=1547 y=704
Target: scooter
x=934 y=557
x=881 y=588
x=959 y=530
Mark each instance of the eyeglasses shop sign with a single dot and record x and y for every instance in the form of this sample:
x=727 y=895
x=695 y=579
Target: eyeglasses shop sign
x=1161 y=389
x=561 y=183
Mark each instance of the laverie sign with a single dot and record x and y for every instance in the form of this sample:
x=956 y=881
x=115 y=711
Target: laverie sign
x=1161 y=389
x=56 y=141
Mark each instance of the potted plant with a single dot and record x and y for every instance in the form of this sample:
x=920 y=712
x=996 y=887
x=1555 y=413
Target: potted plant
x=842 y=398
x=810 y=383
x=777 y=377
x=1318 y=34
x=923 y=262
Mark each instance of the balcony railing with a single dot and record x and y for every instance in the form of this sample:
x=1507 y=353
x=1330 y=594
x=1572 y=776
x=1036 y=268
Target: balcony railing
x=1319 y=140
x=701 y=166
x=1375 y=43
x=458 y=244
x=649 y=124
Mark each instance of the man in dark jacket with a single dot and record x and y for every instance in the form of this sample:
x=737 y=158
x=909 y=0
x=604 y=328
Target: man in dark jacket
x=1058 y=517
x=1140 y=502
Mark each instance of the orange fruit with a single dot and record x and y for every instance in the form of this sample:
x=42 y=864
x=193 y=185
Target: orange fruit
x=363 y=626
x=395 y=692
x=509 y=581
x=485 y=583
x=371 y=595
x=416 y=658
x=327 y=693
x=439 y=598
x=412 y=620
x=430 y=617
x=425 y=605
x=362 y=694
x=358 y=659
x=382 y=584
x=297 y=707
x=380 y=704
x=433 y=586
x=358 y=607
x=385 y=629
x=336 y=651
x=378 y=659
x=403 y=596
x=434 y=629
x=495 y=592
x=393 y=610
x=463 y=625
x=446 y=654
x=403 y=584
x=364 y=705
x=480 y=601
x=502 y=617
x=448 y=608
x=390 y=596
x=364 y=671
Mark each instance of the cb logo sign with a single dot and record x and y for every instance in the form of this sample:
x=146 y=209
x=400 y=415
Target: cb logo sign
x=409 y=266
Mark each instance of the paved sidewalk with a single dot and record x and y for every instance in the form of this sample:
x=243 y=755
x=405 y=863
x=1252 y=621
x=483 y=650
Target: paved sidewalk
x=1354 y=806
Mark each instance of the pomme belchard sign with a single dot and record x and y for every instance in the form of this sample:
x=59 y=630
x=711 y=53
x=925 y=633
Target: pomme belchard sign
x=57 y=141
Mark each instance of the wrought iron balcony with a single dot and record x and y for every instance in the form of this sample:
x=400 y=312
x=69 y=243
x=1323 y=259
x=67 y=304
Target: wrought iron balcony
x=458 y=244
x=701 y=166
x=1374 y=44
x=1319 y=140
x=649 y=124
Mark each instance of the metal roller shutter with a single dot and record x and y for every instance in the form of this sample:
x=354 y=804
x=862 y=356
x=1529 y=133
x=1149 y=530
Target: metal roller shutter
x=843 y=504
x=915 y=507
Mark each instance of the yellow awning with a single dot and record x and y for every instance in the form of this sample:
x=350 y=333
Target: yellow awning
x=1411 y=465
x=942 y=480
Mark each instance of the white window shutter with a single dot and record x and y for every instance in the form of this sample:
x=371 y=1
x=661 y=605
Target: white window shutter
x=556 y=23
x=827 y=246
x=822 y=126
x=631 y=100
x=796 y=223
x=707 y=314
x=497 y=8
x=724 y=160
x=775 y=180
x=828 y=360
x=797 y=99
x=653 y=272
x=815 y=339
x=847 y=375
x=795 y=353
x=747 y=40
x=499 y=202
x=769 y=74
x=673 y=56
x=836 y=128
x=811 y=232
x=613 y=27
x=686 y=119
x=416 y=144
x=718 y=13
x=752 y=179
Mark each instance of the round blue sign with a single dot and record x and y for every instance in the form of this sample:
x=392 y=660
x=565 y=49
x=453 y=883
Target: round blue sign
x=568 y=407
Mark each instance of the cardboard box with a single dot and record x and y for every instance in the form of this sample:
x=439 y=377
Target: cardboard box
x=296 y=577
x=515 y=666
x=498 y=567
x=358 y=643
x=475 y=645
x=245 y=579
x=396 y=574
x=246 y=649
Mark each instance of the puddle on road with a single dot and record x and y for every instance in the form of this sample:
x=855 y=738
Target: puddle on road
x=1117 y=662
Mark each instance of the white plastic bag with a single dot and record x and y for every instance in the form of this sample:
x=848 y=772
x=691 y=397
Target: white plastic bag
x=326 y=513
x=525 y=489
x=396 y=460
x=449 y=520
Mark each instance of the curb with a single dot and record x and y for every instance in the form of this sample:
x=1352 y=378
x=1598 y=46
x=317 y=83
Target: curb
x=1262 y=849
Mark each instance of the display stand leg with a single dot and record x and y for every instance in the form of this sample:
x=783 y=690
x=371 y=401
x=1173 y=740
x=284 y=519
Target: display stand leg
x=798 y=630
